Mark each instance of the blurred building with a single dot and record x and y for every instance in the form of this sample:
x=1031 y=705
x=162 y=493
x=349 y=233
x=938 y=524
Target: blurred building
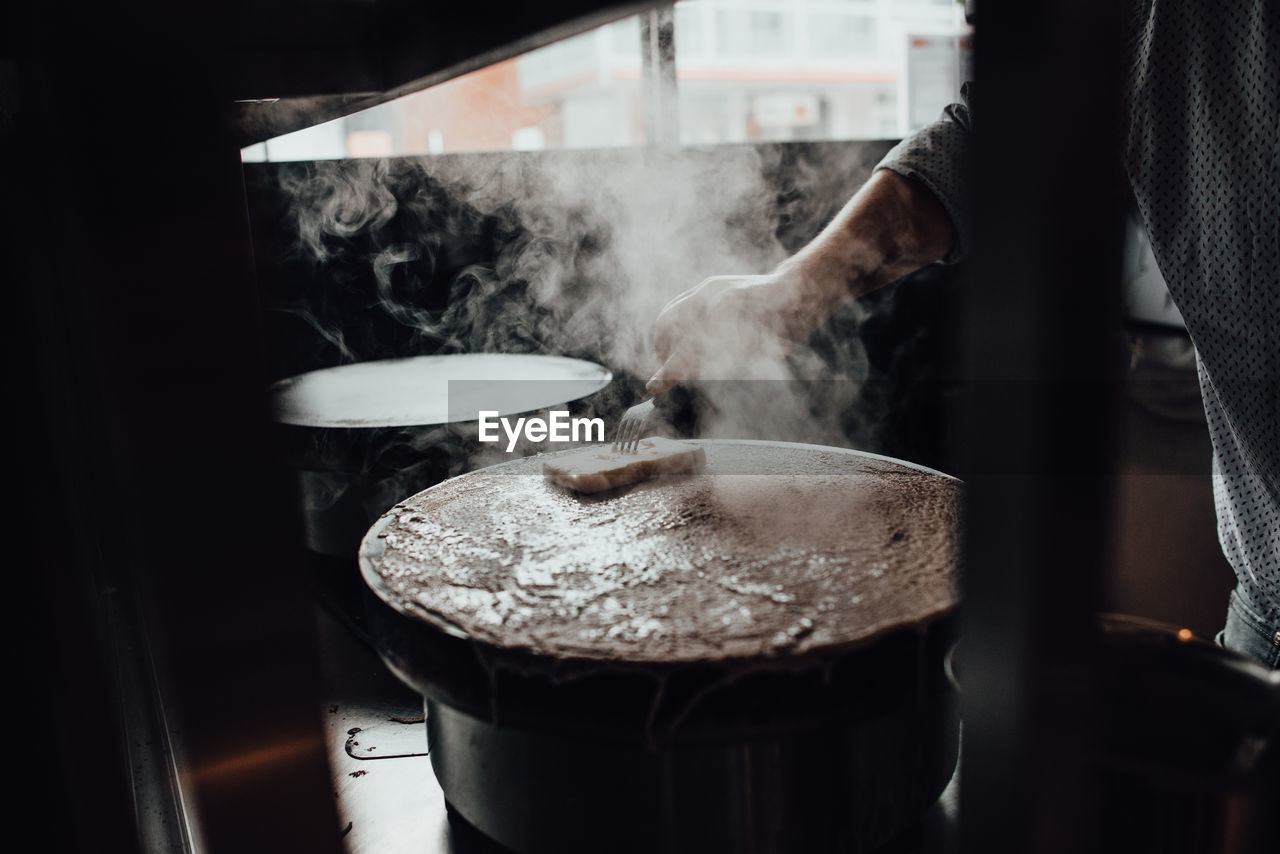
x=747 y=70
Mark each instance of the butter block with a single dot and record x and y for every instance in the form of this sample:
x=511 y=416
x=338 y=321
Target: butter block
x=598 y=468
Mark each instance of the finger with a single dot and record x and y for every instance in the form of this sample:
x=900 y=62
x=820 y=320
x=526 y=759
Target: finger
x=685 y=312
x=664 y=342
x=660 y=382
x=674 y=370
x=675 y=321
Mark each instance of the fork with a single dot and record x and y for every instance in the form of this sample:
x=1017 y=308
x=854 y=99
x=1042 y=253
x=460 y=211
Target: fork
x=631 y=427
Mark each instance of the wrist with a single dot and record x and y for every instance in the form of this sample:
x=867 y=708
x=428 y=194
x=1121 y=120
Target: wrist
x=810 y=287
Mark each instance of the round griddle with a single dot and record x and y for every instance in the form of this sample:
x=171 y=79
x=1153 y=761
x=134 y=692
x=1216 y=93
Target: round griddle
x=749 y=659
x=431 y=390
x=363 y=435
x=775 y=551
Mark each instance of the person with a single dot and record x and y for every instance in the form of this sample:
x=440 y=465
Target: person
x=1201 y=149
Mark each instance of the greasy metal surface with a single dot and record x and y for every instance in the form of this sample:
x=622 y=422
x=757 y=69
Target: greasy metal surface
x=389 y=805
x=398 y=736
x=425 y=390
x=776 y=550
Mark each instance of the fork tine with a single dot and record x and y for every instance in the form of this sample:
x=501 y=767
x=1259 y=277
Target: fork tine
x=628 y=439
x=646 y=410
x=631 y=427
x=624 y=430
x=642 y=419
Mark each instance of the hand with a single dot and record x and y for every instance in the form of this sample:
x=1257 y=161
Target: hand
x=726 y=324
x=729 y=324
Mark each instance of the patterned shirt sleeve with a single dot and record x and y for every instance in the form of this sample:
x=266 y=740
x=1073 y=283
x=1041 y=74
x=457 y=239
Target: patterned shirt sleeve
x=938 y=156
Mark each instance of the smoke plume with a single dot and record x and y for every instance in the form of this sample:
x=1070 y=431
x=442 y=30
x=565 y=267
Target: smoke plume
x=574 y=253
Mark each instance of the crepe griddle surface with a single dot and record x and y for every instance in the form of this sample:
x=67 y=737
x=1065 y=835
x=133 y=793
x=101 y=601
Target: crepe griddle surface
x=774 y=550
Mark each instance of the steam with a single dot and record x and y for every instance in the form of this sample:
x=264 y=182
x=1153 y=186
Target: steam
x=341 y=202
x=583 y=250
x=606 y=247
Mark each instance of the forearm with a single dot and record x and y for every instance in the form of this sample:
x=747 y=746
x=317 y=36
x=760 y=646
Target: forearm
x=891 y=227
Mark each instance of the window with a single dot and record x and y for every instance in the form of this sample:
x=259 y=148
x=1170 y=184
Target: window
x=580 y=92
x=765 y=70
x=747 y=70
x=842 y=35
x=751 y=32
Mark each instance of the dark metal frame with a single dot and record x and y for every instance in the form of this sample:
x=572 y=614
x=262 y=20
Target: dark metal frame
x=1040 y=348
x=658 y=75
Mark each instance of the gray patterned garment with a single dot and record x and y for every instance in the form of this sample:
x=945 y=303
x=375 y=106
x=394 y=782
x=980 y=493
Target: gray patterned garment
x=1201 y=146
